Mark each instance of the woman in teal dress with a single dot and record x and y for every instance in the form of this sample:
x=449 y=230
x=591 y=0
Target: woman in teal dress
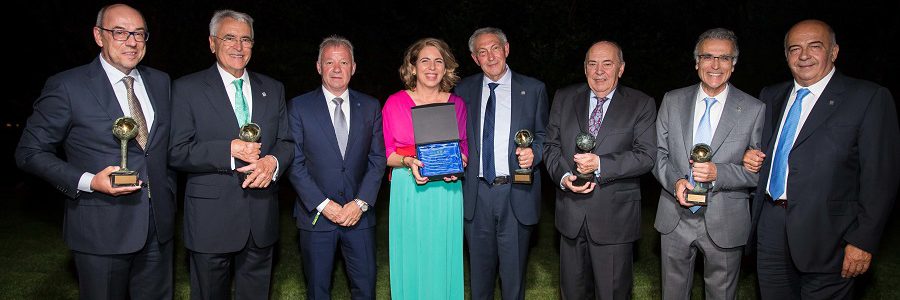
x=425 y=223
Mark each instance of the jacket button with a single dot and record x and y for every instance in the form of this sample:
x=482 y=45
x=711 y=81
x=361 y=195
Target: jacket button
x=341 y=193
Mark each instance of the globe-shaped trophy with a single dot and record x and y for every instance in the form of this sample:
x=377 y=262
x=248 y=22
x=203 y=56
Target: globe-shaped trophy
x=124 y=129
x=523 y=139
x=250 y=133
x=701 y=153
x=585 y=143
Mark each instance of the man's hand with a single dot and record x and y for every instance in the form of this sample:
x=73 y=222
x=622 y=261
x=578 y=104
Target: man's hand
x=856 y=261
x=334 y=212
x=568 y=182
x=352 y=214
x=525 y=156
x=262 y=173
x=753 y=160
x=414 y=165
x=681 y=188
x=246 y=151
x=704 y=172
x=587 y=163
x=101 y=183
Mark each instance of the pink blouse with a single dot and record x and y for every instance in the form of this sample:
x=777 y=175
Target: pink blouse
x=397 y=122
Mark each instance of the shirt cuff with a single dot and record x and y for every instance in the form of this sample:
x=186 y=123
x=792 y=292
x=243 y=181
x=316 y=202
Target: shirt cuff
x=561 y=185
x=597 y=172
x=232 y=163
x=84 y=183
x=277 y=166
x=322 y=205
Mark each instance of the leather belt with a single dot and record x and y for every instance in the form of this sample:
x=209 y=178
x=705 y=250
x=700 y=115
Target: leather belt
x=497 y=180
x=780 y=202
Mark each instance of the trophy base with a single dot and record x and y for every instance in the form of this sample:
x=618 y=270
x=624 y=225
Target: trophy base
x=522 y=176
x=696 y=199
x=122 y=178
x=583 y=179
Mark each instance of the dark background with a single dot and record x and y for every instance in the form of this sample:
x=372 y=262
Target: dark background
x=548 y=41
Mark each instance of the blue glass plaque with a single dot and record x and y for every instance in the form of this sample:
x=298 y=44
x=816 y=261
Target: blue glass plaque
x=440 y=159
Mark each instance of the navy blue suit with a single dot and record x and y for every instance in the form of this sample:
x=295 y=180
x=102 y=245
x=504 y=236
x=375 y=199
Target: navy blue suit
x=76 y=111
x=319 y=172
x=501 y=234
x=220 y=217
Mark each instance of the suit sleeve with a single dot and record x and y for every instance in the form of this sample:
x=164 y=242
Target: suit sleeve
x=733 y=175
x=371 y=183
x=640 y=158
x=283 y=149
x=664 y=171
x=309 y=192
x=552 y=150
x=878 y=140
x=45 y=131
x=186 y=153
x=540 y=123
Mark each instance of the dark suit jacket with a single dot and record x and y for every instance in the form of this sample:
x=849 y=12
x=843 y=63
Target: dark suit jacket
x=76 y=111
x=727 y=215
x=626 y=145
x=844 y=170
x=219 y=215
x=319 y=171
x=529 y=111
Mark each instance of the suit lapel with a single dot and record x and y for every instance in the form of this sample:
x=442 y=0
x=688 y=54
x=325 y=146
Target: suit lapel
x=824 y=107
x=613 y=112
x=260 y=98
x=323 y=117
x=778 y=109
x=98 y=84
x=517 y=95
x=356 y=122
x=581 y=114
x=475 y=115
x=687 y=123
x=730 y=113
x=147 y=78
x=218 y=98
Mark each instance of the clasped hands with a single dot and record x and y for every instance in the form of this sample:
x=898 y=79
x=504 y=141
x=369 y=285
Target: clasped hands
x=347 y=215
x=585 y=163
x=259 y=171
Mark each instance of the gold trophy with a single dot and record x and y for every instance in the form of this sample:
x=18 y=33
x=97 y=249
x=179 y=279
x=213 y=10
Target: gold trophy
x=701 y=153
x=585 y=144
x=523 y=139
x=124 y=128
x=249 y=133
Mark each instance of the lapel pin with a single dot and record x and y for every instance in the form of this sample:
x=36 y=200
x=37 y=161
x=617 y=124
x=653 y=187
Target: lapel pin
x=830 y=102
x=739 y=108
x=264 y=94
x=523 y=93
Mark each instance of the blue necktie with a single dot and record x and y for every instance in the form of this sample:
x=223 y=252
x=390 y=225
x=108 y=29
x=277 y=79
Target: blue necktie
x=785 y=143
x=487 y=136
x=703 y=135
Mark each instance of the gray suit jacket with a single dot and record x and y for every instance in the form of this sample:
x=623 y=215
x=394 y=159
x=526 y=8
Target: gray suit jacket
x=728 y=212
x=625 y=145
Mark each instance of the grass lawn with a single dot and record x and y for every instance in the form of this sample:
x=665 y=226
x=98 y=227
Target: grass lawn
x=37 y=265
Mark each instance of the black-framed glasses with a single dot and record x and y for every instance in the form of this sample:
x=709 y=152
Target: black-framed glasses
x=708 y=58
x=123 y=35
x=231 y=40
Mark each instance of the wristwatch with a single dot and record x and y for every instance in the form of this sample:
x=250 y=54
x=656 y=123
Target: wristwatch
x=363 y=206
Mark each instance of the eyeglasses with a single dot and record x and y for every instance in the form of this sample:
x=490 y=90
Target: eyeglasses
x=708 y=58
x=231 y=40
x=123 y=35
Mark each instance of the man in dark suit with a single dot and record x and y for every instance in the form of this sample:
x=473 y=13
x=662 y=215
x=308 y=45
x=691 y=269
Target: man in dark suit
x=229 y=220
x=830 y=178
x=499 y=216
x=337 y=169
x=599 y=220
x=121 y=237
x=716 y=113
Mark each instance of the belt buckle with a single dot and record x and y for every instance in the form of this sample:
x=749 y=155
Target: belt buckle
x=782 y=203
x=500 y=180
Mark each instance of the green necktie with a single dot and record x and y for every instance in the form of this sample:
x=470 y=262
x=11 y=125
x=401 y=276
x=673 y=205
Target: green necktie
x=240 y=104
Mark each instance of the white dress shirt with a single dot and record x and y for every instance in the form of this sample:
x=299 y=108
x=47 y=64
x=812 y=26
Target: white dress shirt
x=715 y=111
x=345 y=107
x=502 y=122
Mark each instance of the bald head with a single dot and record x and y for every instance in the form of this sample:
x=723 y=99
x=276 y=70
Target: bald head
x=811 y=50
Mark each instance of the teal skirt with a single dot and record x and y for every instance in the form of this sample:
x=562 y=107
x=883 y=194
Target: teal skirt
x=426 y=238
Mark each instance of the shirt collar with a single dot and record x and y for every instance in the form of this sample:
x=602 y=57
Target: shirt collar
x=114 y=75
x=608 y=97
x=818 y=87
x=504 y=80
x=227 y=78
x=721 y=97
x=328 y=95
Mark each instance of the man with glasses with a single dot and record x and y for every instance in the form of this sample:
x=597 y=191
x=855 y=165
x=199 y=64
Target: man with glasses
x=231 y=200
x=120 y=237
x=729 y=121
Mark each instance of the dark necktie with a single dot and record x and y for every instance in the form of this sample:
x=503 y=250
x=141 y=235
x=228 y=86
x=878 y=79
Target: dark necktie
x=487 y=136
x=597 y=116
x=134 y=106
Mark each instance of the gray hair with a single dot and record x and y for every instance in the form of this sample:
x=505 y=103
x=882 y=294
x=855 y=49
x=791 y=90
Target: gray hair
x=717 y=34
x=220 y=15
x=335 y=41
x=486 y=30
